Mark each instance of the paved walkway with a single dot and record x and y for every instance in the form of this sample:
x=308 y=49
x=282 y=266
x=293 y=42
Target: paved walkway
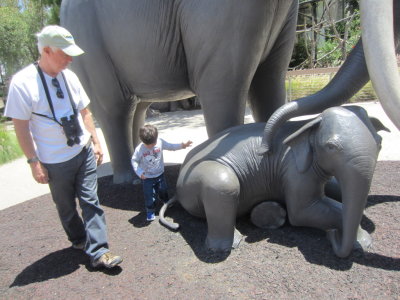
x=17 y=184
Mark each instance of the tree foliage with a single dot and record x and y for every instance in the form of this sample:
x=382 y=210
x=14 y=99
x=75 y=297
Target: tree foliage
x=13 y=36
x=53 y=9
x=20 y=20
x=327 y=31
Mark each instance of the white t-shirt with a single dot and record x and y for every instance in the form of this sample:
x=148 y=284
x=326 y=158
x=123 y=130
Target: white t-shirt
x=150 y=162
x=27 y=96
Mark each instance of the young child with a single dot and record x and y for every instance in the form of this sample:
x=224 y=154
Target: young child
x=148 y=163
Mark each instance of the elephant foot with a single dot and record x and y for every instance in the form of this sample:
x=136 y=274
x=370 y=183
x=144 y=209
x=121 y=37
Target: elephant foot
x=364 y=240
x=224 y=245
x=268 y=215
x=122 y=177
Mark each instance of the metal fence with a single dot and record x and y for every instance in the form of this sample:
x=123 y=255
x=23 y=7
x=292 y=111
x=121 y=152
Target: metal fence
x=306 y=82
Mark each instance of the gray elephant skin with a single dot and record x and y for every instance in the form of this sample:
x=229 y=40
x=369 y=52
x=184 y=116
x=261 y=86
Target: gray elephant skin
x=225 y=177
x=224 y=52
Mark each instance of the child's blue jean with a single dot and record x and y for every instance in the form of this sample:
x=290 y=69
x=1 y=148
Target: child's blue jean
x=153 y=187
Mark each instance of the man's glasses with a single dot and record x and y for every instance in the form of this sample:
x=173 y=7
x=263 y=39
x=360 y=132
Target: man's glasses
x=56 y=84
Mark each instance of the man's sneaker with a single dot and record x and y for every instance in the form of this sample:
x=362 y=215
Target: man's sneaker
x=151 y=216
x=79 y=246
x=107 y=260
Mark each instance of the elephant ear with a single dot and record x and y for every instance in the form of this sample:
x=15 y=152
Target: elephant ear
x=378 y=125
x=363 y=116
x=300 y=145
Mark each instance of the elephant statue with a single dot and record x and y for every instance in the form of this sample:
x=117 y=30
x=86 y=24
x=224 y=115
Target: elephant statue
x=223 y=52
x=224 y=178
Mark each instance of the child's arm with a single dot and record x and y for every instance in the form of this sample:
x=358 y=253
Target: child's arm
x=174 y=147
x=135 y=164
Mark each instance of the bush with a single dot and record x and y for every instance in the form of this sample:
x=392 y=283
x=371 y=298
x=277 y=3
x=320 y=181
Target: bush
x=9 y=148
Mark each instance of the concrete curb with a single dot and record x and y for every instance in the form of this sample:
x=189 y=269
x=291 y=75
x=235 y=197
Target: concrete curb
x=17 y=184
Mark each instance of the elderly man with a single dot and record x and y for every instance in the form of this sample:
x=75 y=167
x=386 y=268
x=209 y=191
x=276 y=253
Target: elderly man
x=56 y=132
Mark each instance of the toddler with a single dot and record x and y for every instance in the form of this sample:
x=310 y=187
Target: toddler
x=148 y=164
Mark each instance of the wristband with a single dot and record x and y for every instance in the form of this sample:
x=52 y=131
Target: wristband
x=33 y=159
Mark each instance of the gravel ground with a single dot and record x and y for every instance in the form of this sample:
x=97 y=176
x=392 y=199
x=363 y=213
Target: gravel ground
x=36 y=261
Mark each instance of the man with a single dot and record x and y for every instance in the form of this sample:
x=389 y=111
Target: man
x=55 y=130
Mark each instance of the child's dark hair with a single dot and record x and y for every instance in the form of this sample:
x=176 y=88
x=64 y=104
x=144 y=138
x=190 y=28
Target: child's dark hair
x=148 y=134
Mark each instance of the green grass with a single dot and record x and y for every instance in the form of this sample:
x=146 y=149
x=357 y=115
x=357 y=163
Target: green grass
x=301 y=86
x=9 y=148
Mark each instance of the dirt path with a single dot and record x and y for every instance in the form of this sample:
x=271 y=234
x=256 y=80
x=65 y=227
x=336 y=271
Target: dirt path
x=288 y=263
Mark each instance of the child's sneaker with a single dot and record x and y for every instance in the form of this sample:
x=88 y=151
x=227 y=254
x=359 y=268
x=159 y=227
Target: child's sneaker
x=151 y=216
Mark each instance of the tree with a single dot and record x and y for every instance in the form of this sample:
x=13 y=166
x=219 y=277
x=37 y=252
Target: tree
x=14 y=37
x=327 y=31
x=19 y=21
x=53 y=8
x=36 y=17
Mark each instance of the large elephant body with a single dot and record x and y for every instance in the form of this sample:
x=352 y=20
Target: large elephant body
x=225 y=176
x=225 y=52
x=139 y=52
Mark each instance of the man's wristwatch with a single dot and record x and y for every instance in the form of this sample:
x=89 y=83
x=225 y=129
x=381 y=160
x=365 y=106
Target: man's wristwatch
x=33 y=159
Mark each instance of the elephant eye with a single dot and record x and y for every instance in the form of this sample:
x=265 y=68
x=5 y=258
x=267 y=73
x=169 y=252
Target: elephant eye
x=334 y=144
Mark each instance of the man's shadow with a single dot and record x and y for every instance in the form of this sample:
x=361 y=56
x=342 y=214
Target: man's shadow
x=58 y=264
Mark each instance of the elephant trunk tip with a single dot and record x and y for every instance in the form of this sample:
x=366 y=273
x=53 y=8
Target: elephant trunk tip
x=263 y=149
x=334 y=237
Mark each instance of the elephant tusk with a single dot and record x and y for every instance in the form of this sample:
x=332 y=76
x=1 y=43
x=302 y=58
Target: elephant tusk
x=380 y=54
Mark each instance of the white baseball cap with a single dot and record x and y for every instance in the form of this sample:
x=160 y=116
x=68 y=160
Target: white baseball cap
x=59 y=37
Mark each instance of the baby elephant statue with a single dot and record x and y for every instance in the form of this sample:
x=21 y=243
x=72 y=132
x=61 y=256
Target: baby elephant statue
x=226 y=177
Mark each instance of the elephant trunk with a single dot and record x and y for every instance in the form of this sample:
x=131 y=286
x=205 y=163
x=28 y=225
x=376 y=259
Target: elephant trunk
x=355 y=187
x=353 y=74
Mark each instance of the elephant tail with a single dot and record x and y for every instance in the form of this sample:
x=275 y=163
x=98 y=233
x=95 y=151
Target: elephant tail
x=163 y=221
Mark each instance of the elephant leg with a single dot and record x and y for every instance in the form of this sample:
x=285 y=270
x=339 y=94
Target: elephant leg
x=223 y=56
x=223 y=104
x=111 y=104
x=267 y=90
x=268 y=215
x=118 y=135
x=219 y=194
x=216 y=117
x=325 y=214
x=333 y=190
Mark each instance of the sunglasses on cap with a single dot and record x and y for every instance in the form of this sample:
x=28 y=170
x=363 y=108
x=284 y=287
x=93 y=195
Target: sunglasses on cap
x=59 y=92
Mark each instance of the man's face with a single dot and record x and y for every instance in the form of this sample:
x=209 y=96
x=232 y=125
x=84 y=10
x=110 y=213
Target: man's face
x=58 y=59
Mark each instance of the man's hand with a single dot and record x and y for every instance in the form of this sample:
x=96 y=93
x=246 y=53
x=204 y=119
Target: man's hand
x=142 y=176
x=98 y=152
x=39 y=172
x=88 y=121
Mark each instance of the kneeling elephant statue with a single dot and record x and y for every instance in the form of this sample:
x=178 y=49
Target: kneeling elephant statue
x=226 y=177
